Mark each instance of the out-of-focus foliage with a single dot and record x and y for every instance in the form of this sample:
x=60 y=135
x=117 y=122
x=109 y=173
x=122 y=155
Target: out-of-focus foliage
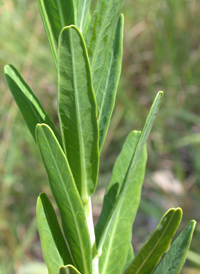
x=161 y=51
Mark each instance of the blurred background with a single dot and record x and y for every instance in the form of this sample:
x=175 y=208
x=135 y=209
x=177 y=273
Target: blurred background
x=161 y=52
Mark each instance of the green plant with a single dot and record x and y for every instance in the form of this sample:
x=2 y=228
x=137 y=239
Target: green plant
x=87 y=52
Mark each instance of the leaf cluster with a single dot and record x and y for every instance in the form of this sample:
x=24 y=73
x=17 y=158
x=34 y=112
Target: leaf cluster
x=87 y=51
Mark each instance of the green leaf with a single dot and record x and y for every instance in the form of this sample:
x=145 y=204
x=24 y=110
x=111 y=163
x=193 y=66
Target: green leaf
x=118 y=221
x=54 y=248
x=31 y=109
x=175 y=258
x=68 y=269
x=148 y=257
x=77 y=110
x=129 y=258
x=67 y=198
x=83 y=13
x=109 y=82
x=100 y=36
x=115 y=237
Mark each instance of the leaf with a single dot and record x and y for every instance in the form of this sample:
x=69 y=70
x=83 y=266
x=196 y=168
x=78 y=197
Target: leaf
x=54 y=248
x=67 y=198
x=114 y=240
x=55 y=16
x=129 y=258
x=100 y=36
x=68 y=269
x=31 y=109
x=118 y=238
x=148 y=257
x=77 y=110
x=174 y=260
x=83 y=14
x=109 y=82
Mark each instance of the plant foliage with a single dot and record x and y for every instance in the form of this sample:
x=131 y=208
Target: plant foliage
x=87 y=50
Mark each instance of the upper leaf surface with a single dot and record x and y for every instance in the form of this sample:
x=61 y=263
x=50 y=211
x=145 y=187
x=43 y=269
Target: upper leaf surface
x=67 y=198
x=30 y=107
x=118 y=237
x=148 y=257
x=100 y=36
x=109 y=82
x=175 y=258
x=77 y=110
x=53 y=244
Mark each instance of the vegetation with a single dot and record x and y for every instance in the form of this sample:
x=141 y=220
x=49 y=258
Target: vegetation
x=13 y=192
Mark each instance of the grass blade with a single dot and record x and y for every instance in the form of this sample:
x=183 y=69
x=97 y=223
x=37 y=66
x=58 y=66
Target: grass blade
x=77 y=110
x=54 y=248
x=148 y=257
x=67 y=198
x=114 y=226
x=100 y=36
x=68 y=269
x=108 y=88
x=174 y=260
x=30 y=107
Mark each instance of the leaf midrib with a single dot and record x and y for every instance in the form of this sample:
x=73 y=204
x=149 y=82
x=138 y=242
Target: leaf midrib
x=60 y=13
x=68 y=197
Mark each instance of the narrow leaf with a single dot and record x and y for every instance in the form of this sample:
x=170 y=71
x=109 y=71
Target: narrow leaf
x=109 y=82
x=174 y=260
x=53 y=244
x=67 y=198
x=68 y=269
x=31 y=109
x=116 y=232
x=117 y=238
x=83 y=13
x=77 y=110
x=148 y=257
x=100 y=36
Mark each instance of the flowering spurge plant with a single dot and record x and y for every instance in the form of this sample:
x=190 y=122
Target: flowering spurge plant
x=87 y=51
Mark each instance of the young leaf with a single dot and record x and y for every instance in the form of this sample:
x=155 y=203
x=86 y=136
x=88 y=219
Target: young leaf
x=77 y=110
x=175 y=258
x=148 y=257
x=67 y=198
x=68 y=269
x=109 y=82
x=54 y=248
x=118 y=238
x=100 y=36
x=31 y=109
x=115 y=237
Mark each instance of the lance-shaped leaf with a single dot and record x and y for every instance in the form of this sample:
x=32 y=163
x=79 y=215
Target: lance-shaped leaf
x=68 y=269
x=109 y=82
x=53 y=244
x=115 y=237
x=149 y=256
x=55 y=16
x=100 y=36
x=83 y=15
x=67 y=198
x=77 y=110
x=119 y=234
x=30 y=107
x=174 y=260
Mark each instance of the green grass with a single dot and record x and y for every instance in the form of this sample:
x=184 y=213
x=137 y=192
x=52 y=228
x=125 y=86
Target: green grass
x=161 y=52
